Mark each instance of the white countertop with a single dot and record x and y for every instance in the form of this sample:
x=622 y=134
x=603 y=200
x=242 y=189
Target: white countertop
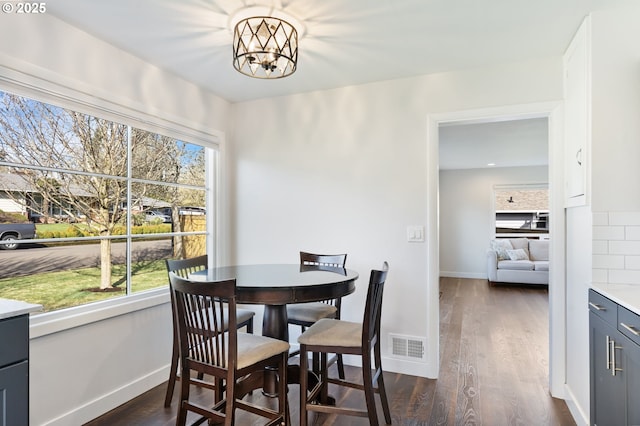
x=12 y=308
x=627 y=295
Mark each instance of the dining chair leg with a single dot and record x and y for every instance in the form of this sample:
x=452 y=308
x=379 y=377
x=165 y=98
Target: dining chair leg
x=381 y=388
x=184 y=397
x=218 y=390
x=173 y=373
x=340 y=367
x=304 y=383
x=283 y=404
x=369 y=392
x=230 y=402
x=324 y=377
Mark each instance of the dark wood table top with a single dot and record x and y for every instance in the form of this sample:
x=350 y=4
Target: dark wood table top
x=280 y=284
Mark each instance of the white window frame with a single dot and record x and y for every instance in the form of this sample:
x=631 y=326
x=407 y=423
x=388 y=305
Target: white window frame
x=29 y=86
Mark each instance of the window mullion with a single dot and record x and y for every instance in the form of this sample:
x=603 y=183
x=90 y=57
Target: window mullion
x=128 y=212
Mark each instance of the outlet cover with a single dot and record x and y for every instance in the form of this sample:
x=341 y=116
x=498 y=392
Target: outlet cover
x=415 y=234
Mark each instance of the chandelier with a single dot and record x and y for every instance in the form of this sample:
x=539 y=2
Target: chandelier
x=265 y=47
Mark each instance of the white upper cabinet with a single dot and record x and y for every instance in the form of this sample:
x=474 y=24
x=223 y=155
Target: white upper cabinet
x=577 y=115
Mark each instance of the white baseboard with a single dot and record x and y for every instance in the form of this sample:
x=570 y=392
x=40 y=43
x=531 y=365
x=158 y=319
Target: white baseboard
x=113 y=399
x=472 y=275
x=579 y=416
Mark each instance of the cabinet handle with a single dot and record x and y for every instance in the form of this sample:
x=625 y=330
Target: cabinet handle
x=613 y=356
x=609 y=352
x=597 y=307
x=579 y=157
x=631 y=329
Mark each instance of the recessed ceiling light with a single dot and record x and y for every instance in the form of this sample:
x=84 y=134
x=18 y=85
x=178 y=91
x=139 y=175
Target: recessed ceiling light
x=491 y=164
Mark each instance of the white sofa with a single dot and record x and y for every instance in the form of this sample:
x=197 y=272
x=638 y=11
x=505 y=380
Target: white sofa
x=518 y=260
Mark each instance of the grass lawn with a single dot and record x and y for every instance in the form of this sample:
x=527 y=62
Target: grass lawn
x=57 y=290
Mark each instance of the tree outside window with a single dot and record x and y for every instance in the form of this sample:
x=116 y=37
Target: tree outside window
x=90 y=181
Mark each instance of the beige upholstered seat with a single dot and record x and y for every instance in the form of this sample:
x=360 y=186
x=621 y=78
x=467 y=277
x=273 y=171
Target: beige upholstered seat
x=237 y=361
x=306 y=314
x=345 y=337
x=331 y=332
x=183 y=267
x=310 y=312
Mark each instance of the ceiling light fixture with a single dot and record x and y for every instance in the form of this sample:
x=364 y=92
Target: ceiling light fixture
x=265 y=47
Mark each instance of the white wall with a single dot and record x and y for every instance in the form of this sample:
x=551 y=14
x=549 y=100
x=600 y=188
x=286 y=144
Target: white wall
x=467 y=218
x=345 y=170
x=615 y=109
x=82 y=372
x=54 y=53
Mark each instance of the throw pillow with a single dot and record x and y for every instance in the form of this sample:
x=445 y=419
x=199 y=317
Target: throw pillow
x=501 y=247
x=521 y=243
x=517 y=254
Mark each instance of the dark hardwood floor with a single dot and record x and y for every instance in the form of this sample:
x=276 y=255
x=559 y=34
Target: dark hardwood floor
x=494 y=370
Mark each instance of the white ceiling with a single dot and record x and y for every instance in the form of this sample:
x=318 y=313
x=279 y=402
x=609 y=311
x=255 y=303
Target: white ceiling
x=346 y=42
x=514 y=143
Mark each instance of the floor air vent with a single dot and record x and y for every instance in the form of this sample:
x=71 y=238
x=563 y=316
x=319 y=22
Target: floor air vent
x=407 y=346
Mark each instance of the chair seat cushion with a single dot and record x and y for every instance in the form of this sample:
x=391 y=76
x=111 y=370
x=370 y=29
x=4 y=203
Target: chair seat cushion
x=332 y=332
x=243 y=315
x=310 y=312
x=253 y=348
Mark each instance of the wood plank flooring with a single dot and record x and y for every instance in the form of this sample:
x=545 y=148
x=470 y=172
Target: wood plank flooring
x=494 y=370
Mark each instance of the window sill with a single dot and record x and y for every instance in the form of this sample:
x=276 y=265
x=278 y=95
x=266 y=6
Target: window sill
x=53 y=322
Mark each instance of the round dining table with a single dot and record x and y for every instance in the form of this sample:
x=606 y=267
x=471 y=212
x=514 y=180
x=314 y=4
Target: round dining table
x=277 y=285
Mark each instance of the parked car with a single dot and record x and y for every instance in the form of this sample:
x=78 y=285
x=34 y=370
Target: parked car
x=15 y=231
x=189 y=210
x=156 y=216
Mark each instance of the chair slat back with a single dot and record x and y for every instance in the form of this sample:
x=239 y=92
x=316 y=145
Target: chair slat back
x=202 y=309
x=373 y=305
x=184 y=267
x=329 y=260
x=335 y=260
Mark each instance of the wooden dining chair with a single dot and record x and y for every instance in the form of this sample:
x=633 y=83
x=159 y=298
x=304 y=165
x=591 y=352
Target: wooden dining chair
x=182 y=268
x=344 y=337
x=306 y=314
x=211 y=344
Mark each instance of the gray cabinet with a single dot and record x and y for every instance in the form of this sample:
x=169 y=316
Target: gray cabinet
x=14 y=371
x=614 y=342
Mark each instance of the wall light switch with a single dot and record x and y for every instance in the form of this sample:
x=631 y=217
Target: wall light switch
x=415 y=234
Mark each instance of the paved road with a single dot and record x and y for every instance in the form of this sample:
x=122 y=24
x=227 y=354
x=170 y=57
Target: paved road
x=31 y=259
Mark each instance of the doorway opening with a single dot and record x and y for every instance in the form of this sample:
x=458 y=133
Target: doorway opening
x=436 y=232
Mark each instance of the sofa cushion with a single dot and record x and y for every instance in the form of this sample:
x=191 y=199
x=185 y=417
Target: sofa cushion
x=520 y=243
x=539 y=249
x=517 y=254
x=520 y=265
x=500 y=247
x=541 y=265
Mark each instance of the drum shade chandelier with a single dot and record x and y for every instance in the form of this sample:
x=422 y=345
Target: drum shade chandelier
x=265 y=47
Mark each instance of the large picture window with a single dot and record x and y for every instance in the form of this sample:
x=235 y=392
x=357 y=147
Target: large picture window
x=522 y=211
x=109 y=203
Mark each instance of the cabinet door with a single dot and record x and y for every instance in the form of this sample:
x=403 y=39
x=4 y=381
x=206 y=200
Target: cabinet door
x=14 y=395
x=608 y=391
x=632 y=371
x=577 y=116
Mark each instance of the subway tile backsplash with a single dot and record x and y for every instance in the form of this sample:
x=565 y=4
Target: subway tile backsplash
x=616 y=247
